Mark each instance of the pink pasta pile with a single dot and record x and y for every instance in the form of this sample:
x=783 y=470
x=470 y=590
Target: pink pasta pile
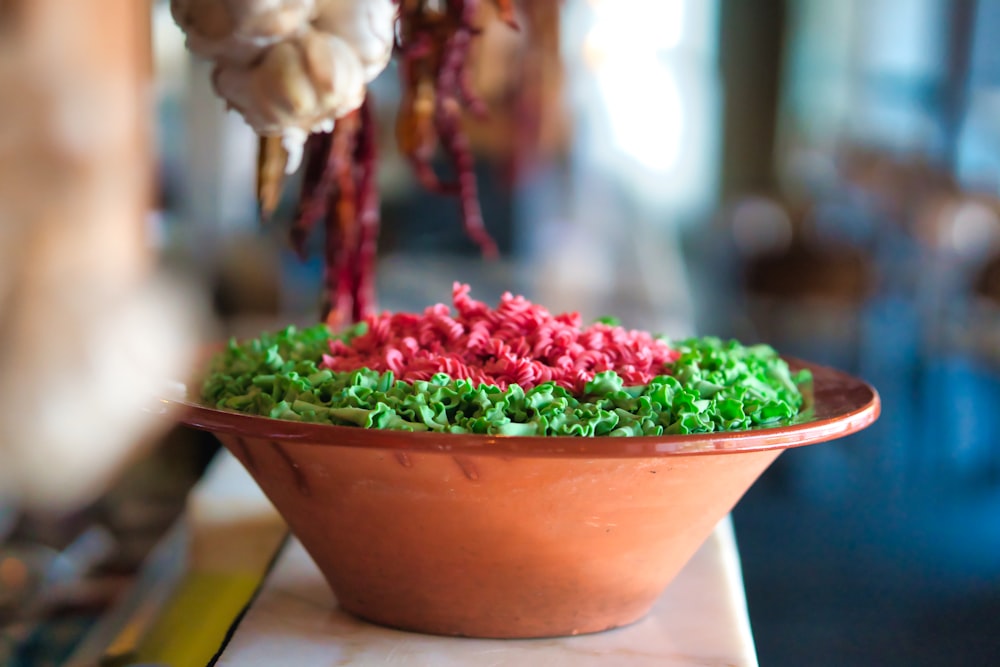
x=519 y=342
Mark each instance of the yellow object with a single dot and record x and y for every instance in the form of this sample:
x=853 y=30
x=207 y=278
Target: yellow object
x=234 y=533
x=194 y=624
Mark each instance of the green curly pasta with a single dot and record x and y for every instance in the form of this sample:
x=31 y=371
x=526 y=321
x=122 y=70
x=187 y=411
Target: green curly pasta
x=713 y=385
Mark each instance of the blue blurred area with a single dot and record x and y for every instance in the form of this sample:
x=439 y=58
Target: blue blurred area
x=884 y=548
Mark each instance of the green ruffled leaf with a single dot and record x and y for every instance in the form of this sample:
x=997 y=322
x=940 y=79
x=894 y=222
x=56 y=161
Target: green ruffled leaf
x=713 y=385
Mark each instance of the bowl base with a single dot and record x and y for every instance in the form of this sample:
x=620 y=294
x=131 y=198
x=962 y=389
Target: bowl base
x=507 y=631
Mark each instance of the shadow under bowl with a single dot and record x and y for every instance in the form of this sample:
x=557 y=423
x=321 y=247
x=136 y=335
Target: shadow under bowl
x=512 y=537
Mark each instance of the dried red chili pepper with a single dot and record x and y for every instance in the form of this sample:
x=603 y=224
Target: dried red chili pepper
x=339 y=181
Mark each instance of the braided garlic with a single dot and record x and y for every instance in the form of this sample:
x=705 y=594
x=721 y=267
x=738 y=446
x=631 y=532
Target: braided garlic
x=290 y=67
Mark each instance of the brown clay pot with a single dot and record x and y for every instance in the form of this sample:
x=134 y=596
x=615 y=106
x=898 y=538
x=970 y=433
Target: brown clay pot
x=491 y=536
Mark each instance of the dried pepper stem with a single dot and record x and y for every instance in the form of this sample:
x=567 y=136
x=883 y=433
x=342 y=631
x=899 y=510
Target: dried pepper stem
x=271 y=159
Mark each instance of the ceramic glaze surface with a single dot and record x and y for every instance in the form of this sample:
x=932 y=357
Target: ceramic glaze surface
x=491 y=536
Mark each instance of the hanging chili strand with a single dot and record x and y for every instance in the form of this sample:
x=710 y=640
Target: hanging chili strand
x=341 y=223
x=366 y=157
x=339 y=179
x=312 y=205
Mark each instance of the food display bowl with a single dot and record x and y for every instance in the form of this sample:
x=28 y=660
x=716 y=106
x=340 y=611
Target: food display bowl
x=510 y=536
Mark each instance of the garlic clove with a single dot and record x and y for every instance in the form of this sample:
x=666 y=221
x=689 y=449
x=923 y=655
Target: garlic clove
x=368 y=26
x=207 y=25
x=336 y=73
x=273 y=19
x=238 y=31
x=282 y=81
x=209 y=20
x=235 y=85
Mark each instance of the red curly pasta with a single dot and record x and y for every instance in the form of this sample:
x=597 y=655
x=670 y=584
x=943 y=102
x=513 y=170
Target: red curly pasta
x=519 y=342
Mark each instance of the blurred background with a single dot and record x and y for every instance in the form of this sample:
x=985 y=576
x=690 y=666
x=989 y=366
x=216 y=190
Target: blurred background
x=822 y=176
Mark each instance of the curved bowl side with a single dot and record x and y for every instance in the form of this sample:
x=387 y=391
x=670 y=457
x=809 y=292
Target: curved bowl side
x=487 y=546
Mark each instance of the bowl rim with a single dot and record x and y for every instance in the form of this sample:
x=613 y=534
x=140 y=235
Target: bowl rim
x=840 y=405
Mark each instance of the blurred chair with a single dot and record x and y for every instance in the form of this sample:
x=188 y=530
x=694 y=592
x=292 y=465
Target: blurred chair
x=802 y=293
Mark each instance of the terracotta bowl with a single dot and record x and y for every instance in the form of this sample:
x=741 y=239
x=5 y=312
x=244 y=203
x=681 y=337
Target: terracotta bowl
x=492 y=536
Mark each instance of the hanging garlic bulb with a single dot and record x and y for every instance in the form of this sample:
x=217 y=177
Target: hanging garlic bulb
x=290 y=67
x=298 y=87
